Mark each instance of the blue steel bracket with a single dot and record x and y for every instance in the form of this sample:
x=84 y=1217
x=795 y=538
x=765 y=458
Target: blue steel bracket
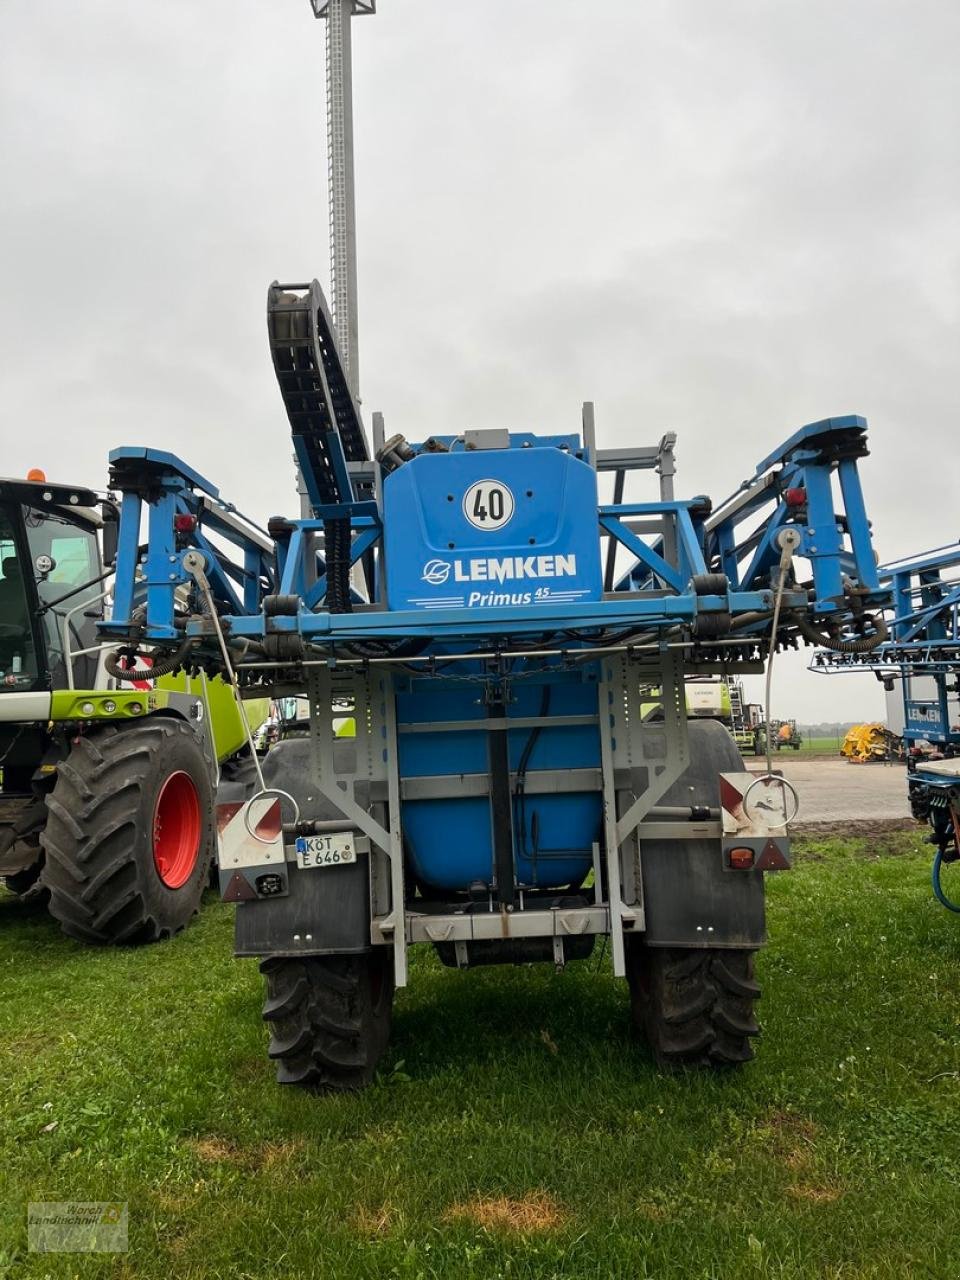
x=794 y=486
x=690 y=561
x=924 y=624
x=303 y=571
x=183 y=508
x=923 y=617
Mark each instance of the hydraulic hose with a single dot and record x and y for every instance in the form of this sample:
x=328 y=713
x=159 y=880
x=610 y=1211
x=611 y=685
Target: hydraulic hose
x=788 y=547
x=165 y=667
x=938 y=892
x=864 y=644
x=336 y=540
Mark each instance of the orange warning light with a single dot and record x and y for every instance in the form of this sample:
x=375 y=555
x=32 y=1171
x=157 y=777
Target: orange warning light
x=36 y=474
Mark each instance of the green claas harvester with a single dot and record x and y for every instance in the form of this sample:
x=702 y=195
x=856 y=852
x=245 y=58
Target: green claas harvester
x=109 y=773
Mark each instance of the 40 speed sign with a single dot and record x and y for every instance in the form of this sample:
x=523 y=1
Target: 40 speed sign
x=488 y=505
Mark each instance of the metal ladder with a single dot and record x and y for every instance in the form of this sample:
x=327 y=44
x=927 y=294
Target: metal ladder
x=737 y=725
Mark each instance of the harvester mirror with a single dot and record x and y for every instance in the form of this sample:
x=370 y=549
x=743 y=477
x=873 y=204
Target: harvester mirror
x=110 y=534
x=44 y=566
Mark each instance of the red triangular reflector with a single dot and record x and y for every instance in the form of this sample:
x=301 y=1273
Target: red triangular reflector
x=773 y=858
x=239 y=889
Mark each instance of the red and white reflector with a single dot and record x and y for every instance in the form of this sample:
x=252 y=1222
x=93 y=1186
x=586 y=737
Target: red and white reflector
x=755 y=810
x=250 y=850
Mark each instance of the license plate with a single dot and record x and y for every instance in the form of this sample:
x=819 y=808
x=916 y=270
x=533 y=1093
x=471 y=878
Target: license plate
x=333 y=850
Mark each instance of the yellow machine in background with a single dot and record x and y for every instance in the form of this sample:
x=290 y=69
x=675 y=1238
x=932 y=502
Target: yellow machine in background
x=869 y=742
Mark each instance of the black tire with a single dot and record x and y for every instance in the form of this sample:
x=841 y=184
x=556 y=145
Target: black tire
x=116 y=794
x=695 y=1007
x=24 y=837
x=26 y=884
x=239 y=779
x=329 y=1017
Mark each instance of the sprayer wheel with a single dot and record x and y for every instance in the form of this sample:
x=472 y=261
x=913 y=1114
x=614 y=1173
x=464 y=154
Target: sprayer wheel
x=695 y=1007
x=329 y=1017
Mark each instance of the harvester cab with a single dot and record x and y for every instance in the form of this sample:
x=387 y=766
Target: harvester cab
x=50 y=583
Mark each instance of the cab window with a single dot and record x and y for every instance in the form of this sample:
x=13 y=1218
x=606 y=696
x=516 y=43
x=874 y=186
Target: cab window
x=65 y=556
x=18 y=657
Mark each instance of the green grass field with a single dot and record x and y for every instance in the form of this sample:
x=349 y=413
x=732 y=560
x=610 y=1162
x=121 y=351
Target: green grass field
x=516 y=1131
x=818 y=746
x=809 y=747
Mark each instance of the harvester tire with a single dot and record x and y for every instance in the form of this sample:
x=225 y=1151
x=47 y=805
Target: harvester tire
x=329 y=1017
x=25 y=840
x=240 y=771
x=694 y=1007
x=129 y=833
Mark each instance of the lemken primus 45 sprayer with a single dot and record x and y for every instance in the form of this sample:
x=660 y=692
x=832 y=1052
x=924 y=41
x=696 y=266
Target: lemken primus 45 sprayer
x=512 y=651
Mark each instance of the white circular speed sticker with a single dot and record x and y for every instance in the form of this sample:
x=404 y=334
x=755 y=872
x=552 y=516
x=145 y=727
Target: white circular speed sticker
x=488 y=505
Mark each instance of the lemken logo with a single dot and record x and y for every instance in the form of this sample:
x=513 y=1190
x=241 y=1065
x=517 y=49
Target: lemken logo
x=436 y=572
x=482 y=569
x=917 y=713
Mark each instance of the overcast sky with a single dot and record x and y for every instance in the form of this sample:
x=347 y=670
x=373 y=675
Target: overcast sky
x=725 y=219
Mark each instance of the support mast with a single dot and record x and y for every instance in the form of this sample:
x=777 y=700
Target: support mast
x=340 y=174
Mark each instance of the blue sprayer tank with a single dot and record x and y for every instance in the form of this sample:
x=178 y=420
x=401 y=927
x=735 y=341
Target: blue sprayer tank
x=445 y=551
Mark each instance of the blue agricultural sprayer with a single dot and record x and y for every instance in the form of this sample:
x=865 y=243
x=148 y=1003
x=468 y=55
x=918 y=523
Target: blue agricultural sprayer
x=922 y=653
x=494 y=756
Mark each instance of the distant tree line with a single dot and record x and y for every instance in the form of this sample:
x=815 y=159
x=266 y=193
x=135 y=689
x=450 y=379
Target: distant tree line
x=827 y=729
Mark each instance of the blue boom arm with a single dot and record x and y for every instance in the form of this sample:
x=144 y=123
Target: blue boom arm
x=924 y=643
x=710 y=572
x=923 y=654
x=472 y=540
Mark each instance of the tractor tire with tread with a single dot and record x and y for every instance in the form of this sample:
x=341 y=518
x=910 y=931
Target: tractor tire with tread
x=329 y=1017
x=695 y=1007
x=122 y=790
x=25 y=837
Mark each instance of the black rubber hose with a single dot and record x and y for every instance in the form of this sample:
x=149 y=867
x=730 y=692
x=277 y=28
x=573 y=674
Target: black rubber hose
x=336 y=540
x=520 y=790
x=864 y=644
x=164 y=668
x=387 y=648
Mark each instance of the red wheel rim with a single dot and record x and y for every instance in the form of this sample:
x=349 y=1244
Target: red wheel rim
x=176 y=830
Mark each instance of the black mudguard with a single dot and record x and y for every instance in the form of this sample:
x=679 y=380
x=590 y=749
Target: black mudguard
x=326 y=912
x=690 y=899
